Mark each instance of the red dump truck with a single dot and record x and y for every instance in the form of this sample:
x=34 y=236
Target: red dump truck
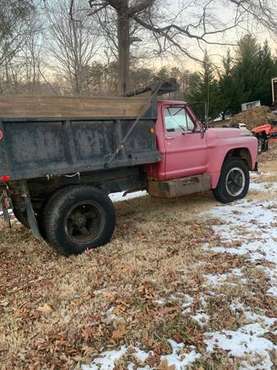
x=60 y=158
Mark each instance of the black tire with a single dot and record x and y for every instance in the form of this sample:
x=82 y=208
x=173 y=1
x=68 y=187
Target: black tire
x=265 y=145
x=230 y=189
x=78 y=218
x=262 y=143
x=21 y=217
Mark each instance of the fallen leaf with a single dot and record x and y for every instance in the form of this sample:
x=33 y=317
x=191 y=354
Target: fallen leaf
x=165 y=366
x=119 y=332
x=46 y=308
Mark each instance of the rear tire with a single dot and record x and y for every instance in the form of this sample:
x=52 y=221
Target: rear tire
x=234 y=181
x=78 y=218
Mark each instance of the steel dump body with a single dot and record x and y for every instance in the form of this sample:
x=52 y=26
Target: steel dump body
x=40 y=146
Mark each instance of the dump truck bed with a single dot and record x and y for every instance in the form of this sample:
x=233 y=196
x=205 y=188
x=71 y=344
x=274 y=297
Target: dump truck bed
x=57 y=135
x=73 y=107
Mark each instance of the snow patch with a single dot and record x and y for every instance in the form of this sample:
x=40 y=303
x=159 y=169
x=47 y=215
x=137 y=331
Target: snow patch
x=272 y=275
x=107 y=360
x=248 y=228
x=245 y=341
x=263 y=186
x=201 y=318
x=181 y=357
x=221 y=279
x=9 y=211
x=250 y=223
x=119 y=197
x=187 y=302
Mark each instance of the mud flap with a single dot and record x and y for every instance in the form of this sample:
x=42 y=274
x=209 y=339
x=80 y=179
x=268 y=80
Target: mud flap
x=31 y=217
x=5 y=204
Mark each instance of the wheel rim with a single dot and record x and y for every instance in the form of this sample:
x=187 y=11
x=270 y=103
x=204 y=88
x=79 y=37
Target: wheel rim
x=84 y=222
x=235 y=181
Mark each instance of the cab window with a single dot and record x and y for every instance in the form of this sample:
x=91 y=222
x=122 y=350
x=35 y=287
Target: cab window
x=178 y=120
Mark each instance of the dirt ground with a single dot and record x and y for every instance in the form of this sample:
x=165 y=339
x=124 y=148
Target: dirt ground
x=145 y=289
x=252 y=118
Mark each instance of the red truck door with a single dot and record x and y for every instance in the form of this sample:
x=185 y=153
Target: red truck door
x=185 y=144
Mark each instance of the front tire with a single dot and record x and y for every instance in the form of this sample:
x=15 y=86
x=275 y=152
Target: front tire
x=78 y=218
x=234 y=181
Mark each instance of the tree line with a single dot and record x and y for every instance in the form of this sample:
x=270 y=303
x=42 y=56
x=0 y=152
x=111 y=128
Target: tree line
x=244 y=76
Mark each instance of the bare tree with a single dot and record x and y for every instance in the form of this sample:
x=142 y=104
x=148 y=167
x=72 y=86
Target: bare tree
x=262 y=11
x=16 y=29
x=72 y=43
x=170 y=28
x=31 y=57
x=14 y=16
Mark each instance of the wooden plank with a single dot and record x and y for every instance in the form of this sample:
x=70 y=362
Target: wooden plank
x=70 y=107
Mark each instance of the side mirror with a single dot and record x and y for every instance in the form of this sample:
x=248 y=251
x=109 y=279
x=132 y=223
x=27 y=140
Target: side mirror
x=204 y=127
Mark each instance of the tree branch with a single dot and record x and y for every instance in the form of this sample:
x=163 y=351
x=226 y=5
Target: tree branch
x=140 y=7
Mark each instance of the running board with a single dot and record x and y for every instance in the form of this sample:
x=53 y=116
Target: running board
x=178 y=187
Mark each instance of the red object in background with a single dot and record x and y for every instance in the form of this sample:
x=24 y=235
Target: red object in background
x=269 y=130
x=5 y=179
x=1 y=135
x=266 y=128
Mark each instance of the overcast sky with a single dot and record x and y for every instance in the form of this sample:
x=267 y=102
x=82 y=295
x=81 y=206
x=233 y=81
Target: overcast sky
x=220 y=13
x=189 y=11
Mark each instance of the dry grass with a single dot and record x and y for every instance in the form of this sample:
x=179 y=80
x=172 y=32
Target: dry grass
x=57 y=312
x=268 y=157
x=54 y=309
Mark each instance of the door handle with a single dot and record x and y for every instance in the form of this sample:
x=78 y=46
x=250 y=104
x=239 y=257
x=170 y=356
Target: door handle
x=169 y=137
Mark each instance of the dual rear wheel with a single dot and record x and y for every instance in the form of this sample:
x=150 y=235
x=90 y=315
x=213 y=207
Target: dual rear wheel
x=78 y=218
x=75 y=219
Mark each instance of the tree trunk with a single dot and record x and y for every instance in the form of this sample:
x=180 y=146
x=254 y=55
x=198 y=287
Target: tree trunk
x=123 y=47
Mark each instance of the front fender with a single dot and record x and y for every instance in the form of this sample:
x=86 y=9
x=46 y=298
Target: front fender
x=244 y=147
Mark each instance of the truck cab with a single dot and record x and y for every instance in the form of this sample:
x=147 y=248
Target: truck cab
x=195 y=153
